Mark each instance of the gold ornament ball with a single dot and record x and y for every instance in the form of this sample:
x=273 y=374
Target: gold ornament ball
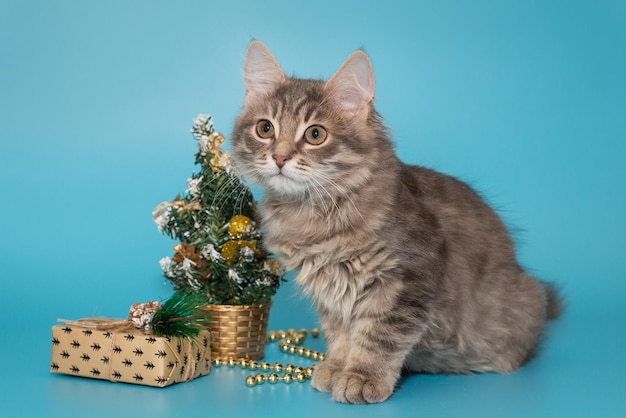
x=273 y=378
x=229 y=249
x=250 y=381
x=300 y=377
x=287 y=378
x=239 y=225
x=259 y=378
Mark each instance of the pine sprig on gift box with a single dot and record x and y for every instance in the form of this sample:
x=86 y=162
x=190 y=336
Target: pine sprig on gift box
x=181 y=315
x=221 y=247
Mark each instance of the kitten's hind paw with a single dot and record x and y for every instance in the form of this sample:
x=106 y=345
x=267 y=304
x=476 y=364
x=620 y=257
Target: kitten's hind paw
x=354 y=388
x=324 y=374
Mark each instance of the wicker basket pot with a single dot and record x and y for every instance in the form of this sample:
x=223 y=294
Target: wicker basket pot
x=238 y=331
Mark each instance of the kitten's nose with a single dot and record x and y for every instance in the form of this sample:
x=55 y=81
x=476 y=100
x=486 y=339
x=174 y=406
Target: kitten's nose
x=280 y=160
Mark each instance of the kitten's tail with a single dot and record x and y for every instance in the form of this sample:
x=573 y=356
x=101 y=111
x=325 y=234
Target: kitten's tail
x=555 y=302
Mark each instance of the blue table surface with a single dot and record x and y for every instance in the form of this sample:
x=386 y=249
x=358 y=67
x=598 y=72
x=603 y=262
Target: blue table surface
x=579 y=372
x=523 y=99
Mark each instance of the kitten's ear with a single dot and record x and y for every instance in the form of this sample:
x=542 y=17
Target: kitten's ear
x=261 y=72
x=351 y=88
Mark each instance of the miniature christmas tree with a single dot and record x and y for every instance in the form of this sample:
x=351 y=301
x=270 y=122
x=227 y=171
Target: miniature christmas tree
x=221 y=247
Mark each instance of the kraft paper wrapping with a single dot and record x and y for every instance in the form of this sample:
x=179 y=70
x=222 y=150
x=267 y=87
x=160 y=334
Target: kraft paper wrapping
x=130 y=355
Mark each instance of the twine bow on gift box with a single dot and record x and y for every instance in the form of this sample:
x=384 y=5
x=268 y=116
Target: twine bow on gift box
x=179 y=316
x=101 y=324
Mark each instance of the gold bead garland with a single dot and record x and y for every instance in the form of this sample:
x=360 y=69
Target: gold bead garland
x=288 y=342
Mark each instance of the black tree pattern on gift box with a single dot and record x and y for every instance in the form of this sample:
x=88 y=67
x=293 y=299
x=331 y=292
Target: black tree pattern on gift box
x=129 y=337
x=92 y=356
x=87 y=333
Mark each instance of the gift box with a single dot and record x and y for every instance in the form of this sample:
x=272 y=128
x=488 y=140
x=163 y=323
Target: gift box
x=112 y=350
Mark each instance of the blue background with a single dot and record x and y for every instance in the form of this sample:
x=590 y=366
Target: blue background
x=523 y=99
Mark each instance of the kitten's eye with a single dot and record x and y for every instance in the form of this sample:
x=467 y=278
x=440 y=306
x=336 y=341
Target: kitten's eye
x=265 y=129
x=315 y=135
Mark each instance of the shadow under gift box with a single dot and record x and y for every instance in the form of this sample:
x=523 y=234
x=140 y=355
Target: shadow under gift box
x=129 y=355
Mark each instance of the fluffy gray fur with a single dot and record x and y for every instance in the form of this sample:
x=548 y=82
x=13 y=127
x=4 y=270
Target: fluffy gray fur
x=408 y=268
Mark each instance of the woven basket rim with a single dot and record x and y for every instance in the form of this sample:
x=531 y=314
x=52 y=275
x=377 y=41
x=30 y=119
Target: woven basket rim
x=237 y=307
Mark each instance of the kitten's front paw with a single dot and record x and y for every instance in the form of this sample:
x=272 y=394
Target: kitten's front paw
x=324 y=374
x=355 y=388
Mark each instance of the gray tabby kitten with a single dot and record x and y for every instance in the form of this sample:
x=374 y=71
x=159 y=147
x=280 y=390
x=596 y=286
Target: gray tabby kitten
x=408 y=268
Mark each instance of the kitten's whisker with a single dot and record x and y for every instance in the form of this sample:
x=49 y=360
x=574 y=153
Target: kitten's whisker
x=225 y=191
x=317 y=185
x=345 y=195
x=328 y=209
